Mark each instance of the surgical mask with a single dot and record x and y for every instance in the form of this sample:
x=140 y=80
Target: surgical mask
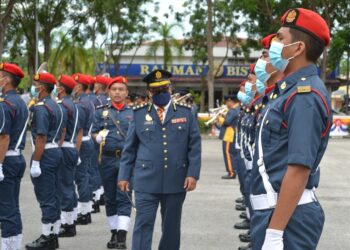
x=275 y=54
x=54 y=91
x=260 y=86
x=248 y=89
x=244 y=98
x=33 y=92
x=161 y=98
x=260 y=70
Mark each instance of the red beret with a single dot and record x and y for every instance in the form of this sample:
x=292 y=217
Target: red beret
x=12 y=69
x=92 y=79
x=251 y=68
x=45 y=78
x=82 y=79
x=309 y=22
x=102 y=80
x=266 y=41
x=118 y=79
x=67 y=81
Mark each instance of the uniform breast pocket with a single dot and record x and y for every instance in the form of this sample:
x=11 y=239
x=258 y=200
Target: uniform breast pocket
x=274 y=132
x=179 y=130
x=147 y=132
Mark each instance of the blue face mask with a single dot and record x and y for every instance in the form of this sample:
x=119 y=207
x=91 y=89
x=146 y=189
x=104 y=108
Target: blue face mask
x=260 y=86
x=161 y=98
x=244 y=98
x=260 y=70
x=248 y=89
x=33 y=92
x=275 y=54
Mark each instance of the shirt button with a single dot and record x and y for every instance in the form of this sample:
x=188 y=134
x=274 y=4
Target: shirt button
x=118 y=122
x=184 y=165
x=165 y=159
x=163 y=129
x=180 y=127
x=143 y=165
x=118 y=132
x=147 y=129
x=267 y=122
x=165 y=166
x=164 y=136
x=165 y=151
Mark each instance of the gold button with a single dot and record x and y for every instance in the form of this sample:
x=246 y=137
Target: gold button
x=263 y=106
x=165 y=151
x=271 y=96
x=163 y=129
x=165 y=159
x=303 y=78
x=267 y=122
x=164 y=136
x=165 y=143
x=274 y=96
x=165 y=166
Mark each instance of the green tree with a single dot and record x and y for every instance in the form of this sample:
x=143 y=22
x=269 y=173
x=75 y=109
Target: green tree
x=6 y=9
x=167 y=43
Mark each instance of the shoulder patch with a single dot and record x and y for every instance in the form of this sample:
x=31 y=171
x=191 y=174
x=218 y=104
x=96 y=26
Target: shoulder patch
x=140 y=106
x=181 y=104
x=304 y=89
x=39 y=104
x=103 y=106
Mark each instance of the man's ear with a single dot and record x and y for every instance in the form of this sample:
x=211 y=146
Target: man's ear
x=301 y=47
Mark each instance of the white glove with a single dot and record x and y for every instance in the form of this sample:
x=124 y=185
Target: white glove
x=273 y=240
x=35 y=170
x=101 y=136
x=79 y=161
x=1 y=173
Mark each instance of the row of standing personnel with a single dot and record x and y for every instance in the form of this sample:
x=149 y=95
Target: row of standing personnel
x=275 y=135
x=78 y=139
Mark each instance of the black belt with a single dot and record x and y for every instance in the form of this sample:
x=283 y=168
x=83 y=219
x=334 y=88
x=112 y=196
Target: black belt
x=115 y=153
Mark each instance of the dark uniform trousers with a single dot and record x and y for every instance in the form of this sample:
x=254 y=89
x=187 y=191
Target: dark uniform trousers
x=10 y=217
x=171 y=210
x=46 y=185
x=230 y=157
x=68 y=195
x=82 y=172
x=117 y=203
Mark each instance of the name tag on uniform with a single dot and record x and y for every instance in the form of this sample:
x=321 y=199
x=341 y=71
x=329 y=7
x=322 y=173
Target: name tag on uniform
x=148 y=123
x=179 y=120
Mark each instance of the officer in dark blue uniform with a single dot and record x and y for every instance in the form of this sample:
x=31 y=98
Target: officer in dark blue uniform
x=46 y=132
x=85 y=147
x=68 y=196
x=110 y=128
x=163 y=156
x=292 y=138
x=227 y=135
x=13 y=122
x=100 y=88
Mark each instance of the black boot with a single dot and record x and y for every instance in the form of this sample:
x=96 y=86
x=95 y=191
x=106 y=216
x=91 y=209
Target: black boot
x=240 y=200
x=96 y=207
x=84 y=219
x=240 y=207
x=245 y=237
x=67 y=230
x=102 y=200
x=248 y=247
x=243 y=215
x=43 y=243
x=121 y=237
x=242 y=225
x=57 y=245
x=113 y=243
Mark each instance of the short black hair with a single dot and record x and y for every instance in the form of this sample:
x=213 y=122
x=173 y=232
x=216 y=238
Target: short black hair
x=66 y=89
x=91 y=87
x=313 y=47
x=48 y=87
x=84 y=87
x=15 y=80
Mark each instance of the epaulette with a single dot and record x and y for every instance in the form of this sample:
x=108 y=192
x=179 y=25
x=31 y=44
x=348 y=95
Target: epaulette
x=103 y=106
x=39 y=104
x=137 y=107
x=181 y=104
x=303 y=86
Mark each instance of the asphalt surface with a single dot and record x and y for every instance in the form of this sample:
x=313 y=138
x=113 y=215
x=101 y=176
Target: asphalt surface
x=209 y=212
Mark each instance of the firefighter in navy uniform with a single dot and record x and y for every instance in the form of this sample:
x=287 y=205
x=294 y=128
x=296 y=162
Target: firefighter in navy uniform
x=291 y=139
x=46 y=126
x=162 y=154
x=13 y=123
x=85 y=147
x=68 y=197
x=109 y=131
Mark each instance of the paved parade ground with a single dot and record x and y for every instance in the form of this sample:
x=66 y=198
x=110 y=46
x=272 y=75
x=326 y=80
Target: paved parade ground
x=209 y=212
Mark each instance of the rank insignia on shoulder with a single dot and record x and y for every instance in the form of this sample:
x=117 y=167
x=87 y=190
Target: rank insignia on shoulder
x=304 y=89
x=283 y=85
x=59 y=101
x=183 y=105
x=40 y=104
